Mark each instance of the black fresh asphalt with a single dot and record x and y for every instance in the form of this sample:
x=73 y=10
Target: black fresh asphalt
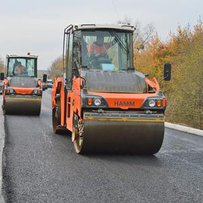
x=40 y=166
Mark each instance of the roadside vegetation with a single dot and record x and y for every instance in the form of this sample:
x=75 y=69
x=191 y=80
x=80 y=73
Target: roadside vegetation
x=1 y=65
x=56 y=68
x=184 y=50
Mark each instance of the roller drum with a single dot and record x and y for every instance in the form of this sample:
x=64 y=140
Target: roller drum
x=22 y=105
x=128 y=136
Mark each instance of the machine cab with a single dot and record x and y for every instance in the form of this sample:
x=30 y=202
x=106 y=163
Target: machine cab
x=99 y=48
x=21 y=66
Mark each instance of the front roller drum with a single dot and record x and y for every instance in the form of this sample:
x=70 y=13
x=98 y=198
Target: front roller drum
x=119 y=137
x=22 y=105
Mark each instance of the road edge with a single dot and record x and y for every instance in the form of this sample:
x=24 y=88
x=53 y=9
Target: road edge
x=186 y=129
x=2 y=141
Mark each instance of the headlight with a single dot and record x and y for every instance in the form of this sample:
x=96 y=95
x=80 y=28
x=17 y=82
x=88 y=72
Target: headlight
x=34 y=91
x=159 y=103
x=89 y=101
x=37 y=92
x=152 y=103
x=93 y=101
x=97 y=102
x=9 y=91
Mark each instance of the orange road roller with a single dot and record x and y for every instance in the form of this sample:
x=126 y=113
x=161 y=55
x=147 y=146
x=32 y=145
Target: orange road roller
x=22 y=91
x=101 y=100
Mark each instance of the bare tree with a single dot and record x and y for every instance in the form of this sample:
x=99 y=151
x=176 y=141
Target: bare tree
x=142 y=35
x=56 y=68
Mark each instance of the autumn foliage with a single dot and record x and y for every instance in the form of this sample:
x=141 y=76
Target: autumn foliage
x=56 y=68
x=184 y=50
x=1 y=65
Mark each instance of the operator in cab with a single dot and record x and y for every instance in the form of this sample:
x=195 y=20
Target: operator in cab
x=19 y=69
x=99 y=47
x=98 y=53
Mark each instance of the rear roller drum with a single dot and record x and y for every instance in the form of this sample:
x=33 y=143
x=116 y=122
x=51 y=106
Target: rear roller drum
x=56 y=119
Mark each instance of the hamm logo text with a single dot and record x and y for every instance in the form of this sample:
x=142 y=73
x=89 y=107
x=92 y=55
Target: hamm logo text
x=124 y=103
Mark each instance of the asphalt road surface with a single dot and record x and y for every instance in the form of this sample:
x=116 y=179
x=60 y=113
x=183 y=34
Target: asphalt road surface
x=40 y=166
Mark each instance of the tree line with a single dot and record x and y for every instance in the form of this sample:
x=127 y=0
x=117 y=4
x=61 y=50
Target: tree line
x=184 y=50
x=1 y=65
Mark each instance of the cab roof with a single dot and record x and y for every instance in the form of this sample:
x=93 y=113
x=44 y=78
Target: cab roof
x=124 y=27
x=21 y=56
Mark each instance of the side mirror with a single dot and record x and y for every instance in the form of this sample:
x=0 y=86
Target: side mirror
x=1 y=76
x=167 y=71
x=44 y=78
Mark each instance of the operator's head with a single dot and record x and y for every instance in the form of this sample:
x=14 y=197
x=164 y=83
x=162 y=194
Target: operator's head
x=100 y=39
x=18 y=63
x=19 y=69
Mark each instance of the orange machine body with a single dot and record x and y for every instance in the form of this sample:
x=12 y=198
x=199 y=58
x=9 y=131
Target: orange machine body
x=72 y=101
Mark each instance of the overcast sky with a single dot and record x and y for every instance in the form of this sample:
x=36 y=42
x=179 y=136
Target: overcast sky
x=36 y=26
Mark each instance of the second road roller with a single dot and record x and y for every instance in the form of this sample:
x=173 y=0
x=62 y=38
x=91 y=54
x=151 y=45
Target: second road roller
x=101 y=100
x=22 y=90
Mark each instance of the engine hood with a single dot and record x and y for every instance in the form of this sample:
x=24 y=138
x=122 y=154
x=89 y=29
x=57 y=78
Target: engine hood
x=121 y=82
x=22 y=82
